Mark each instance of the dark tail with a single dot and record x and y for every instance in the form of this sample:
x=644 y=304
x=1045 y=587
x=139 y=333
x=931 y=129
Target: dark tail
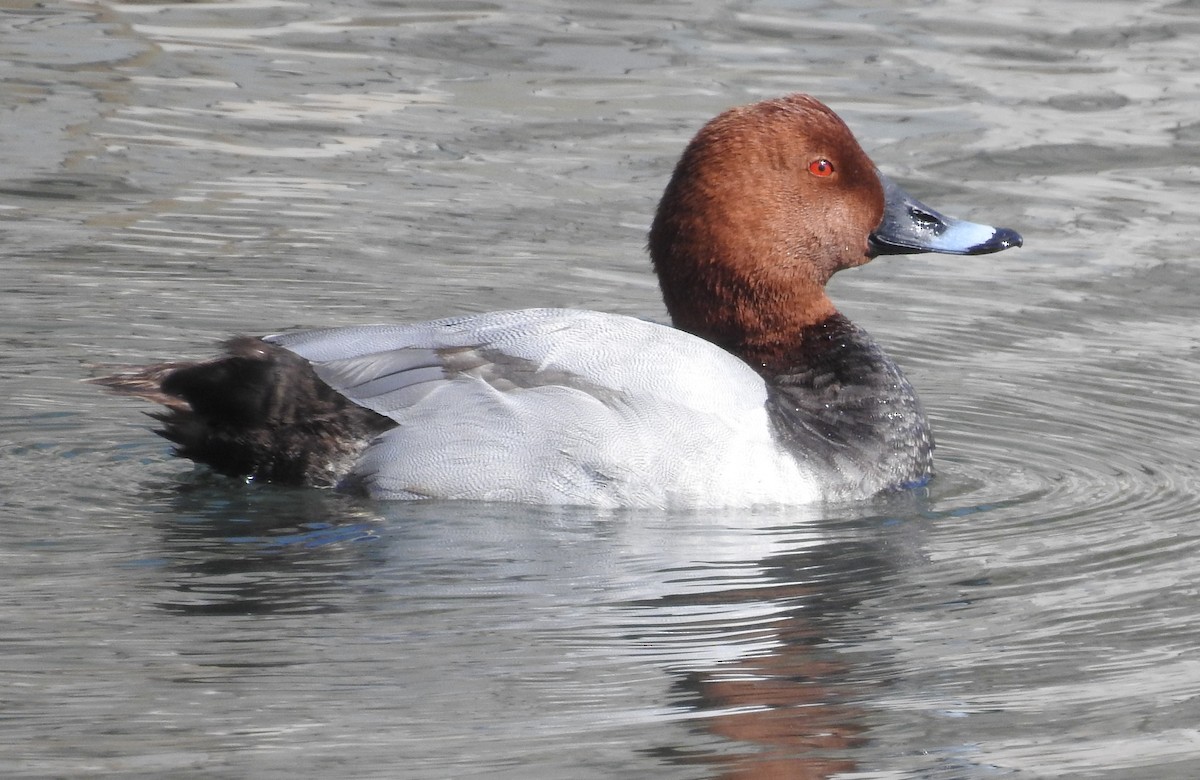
x=257 y=412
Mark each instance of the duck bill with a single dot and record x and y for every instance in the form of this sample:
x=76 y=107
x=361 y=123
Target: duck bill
x=909 y=227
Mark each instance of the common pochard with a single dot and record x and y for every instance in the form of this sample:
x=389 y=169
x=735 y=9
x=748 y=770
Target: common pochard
x=759 y=393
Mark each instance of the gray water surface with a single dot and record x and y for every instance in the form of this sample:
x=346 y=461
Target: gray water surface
x=174 y=173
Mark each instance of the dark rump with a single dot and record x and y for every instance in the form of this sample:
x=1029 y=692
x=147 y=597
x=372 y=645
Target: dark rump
x=257 y=412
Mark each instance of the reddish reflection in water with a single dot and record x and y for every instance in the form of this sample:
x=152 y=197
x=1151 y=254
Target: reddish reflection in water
x=795 y=710
x=793 y=718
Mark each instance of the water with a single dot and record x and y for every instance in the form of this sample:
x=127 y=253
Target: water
x=174 y=173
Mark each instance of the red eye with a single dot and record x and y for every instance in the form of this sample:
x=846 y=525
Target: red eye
x=821 y=167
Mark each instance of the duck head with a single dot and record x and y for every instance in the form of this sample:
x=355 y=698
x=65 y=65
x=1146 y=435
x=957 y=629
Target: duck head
x=767 y=202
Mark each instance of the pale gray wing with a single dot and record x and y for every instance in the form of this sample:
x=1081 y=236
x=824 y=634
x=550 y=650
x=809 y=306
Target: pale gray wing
x=552 y=406
x=387 y=368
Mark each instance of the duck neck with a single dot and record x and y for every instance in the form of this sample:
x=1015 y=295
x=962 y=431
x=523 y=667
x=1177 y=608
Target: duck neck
x=729 y=272
x=761 y=320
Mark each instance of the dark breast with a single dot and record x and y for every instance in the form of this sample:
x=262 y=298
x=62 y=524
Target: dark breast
x=847 y=408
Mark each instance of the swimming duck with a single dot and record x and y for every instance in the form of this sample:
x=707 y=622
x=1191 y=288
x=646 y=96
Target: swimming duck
x=760 y=392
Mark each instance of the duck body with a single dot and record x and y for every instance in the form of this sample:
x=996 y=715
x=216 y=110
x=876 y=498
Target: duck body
x=761 y=393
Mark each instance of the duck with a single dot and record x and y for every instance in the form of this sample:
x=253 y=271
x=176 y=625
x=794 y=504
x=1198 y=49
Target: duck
x=758 y=392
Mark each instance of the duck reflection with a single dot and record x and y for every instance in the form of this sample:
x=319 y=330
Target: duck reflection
x=795 y=704
x=260 y=551
x=792 y=711
x=752 y=631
